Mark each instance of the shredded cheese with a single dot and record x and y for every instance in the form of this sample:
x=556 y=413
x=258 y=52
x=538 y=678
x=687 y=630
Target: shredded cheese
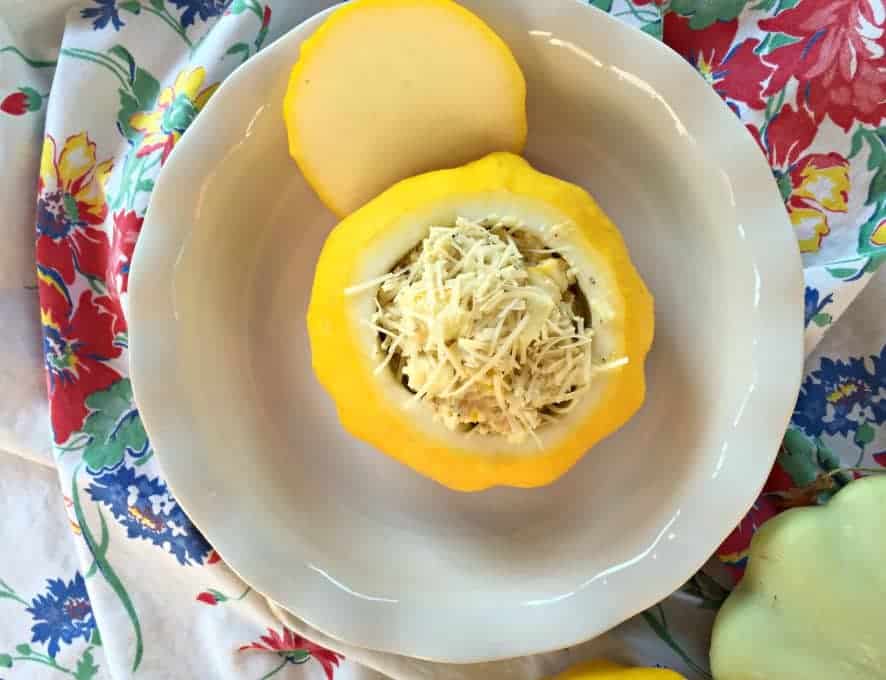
x=482 y=322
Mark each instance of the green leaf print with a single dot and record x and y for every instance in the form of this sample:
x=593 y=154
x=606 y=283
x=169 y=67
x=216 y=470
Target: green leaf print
x=876 y=140
x=779 y=5
x=799 y=458
x=878 y=186
x=33 y=63
x=86 y=668
x=7 y=661
x=865 y=435
x=830 y=461
x=773 y=41
x=656 y=620
x=785 y=186
x=7 y=593
x=874 y=263
x=131 y=6
x=239 y=48
x=857 y=139
x=822 y=319
x=107 y=571
x=653 y=28
x=842 y=272
x=605 y=5
x=114 y=427
x=125 y=55
x=34 y=98
x=158 y=9
x=102 y=549
x=705 y=12
x=139 y=97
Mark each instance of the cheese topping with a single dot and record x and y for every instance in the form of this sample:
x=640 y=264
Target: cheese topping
x=487 y=326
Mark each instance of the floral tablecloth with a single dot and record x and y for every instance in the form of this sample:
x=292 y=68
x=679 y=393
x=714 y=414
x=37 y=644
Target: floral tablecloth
x=101 y=573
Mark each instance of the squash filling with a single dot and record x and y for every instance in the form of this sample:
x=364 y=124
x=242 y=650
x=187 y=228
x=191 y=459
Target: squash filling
x=487 y=325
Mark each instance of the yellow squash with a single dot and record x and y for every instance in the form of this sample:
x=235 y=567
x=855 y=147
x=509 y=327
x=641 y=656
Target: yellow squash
x=375 y=407
x=606 y=670
x=387 y=89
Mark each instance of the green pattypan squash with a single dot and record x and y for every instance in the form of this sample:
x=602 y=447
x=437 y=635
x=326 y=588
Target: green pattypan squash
x=812 y=604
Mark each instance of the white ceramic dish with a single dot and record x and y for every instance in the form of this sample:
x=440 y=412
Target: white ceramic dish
x=361 y=547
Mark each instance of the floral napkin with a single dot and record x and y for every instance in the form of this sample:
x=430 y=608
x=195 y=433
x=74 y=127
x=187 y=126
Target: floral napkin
x=104 y=576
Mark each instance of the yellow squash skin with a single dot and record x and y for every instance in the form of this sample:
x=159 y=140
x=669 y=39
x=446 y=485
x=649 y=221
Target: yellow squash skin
x=387 y=89
x=606 y=670
x=345 y=371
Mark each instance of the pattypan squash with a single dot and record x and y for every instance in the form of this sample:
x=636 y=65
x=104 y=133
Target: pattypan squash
x=812 y=603
x=483 y=325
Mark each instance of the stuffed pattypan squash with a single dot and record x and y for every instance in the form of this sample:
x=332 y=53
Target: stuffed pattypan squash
x=812 y=604
x=483 y=325
x=606 y=670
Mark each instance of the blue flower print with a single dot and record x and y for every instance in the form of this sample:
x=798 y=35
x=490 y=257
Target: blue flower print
x=842 y=395
x=64 y=613
x=148 y=511
x=105 y=12
x=205 y=9
x=812 y=305
x=879 y=405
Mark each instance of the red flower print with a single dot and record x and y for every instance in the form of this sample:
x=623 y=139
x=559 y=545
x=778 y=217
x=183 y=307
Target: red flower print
x=71 y=207
x=734 y=71
x=127 y=226
x=839 y=60
x=213 y=558
x=19 y=103
x=296 y=649
x=734 y=550
x=814 y=185
x=15 y=104
x=266 y=17
x=78 y=341
x=880 y=458
x=207 y=598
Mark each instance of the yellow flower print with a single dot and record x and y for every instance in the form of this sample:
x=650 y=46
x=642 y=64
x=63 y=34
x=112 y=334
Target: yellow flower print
x=828 y=185
x=76 y=176
x=811 y=226
x=820 y=185
x=813 y=185
x=176 y=108
x=71 y=207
